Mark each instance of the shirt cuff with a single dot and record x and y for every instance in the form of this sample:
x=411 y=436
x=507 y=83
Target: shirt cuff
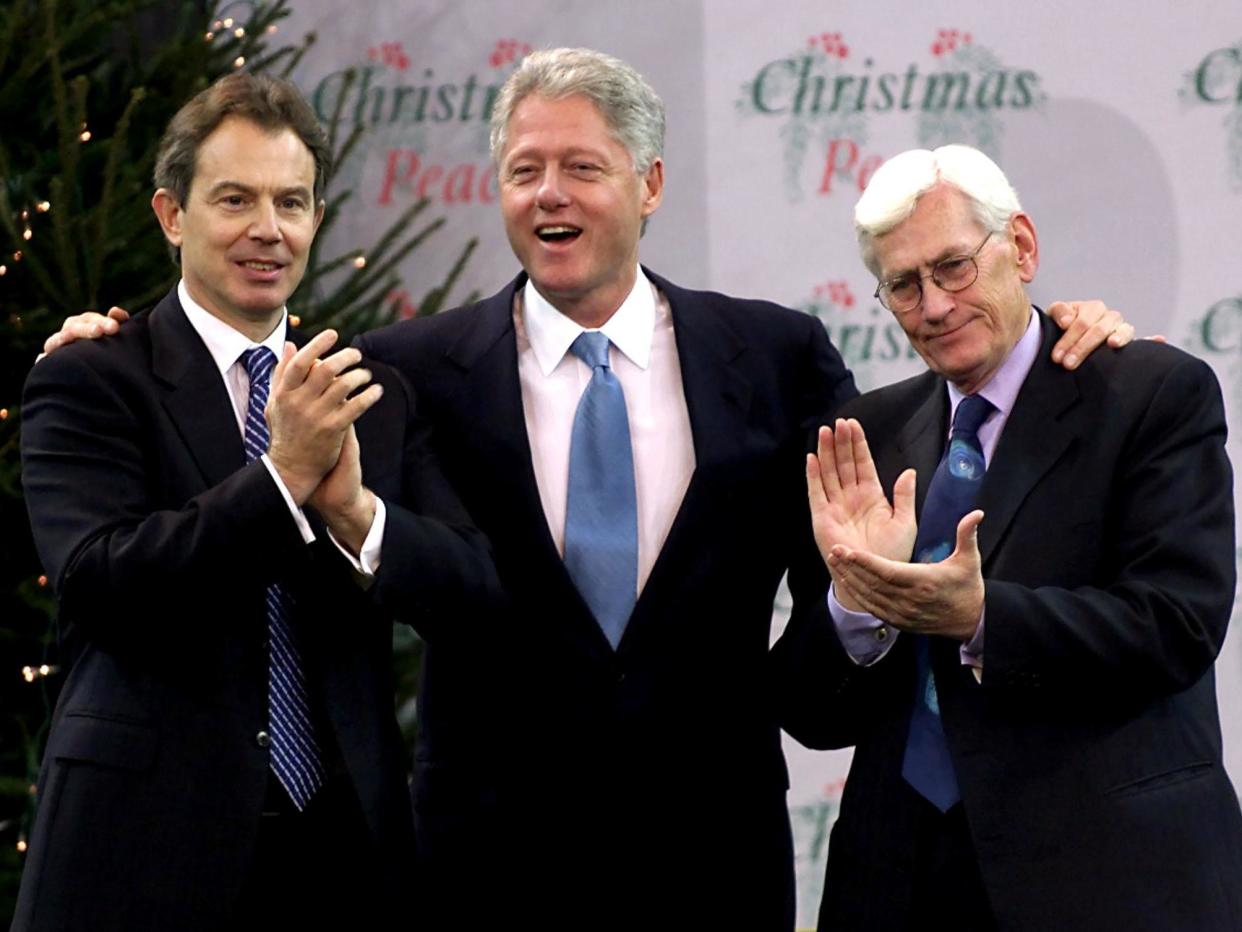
x=299 y=518
x=368 y=560
x=865 y=638
x=972 y=651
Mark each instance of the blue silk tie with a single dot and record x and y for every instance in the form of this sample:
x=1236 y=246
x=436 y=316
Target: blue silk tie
x=296 y=758
x=952 y=493
x=601 y=512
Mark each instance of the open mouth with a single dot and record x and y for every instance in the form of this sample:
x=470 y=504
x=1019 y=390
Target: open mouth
x=558 y=233
x=259 y=265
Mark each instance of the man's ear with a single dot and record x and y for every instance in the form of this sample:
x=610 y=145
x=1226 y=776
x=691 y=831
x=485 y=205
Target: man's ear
x=168 y=212
x=319 y=209
x=1027 y=243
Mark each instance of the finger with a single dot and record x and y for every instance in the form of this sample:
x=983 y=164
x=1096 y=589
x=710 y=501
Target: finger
x=119 y=314
x=1065 y=352
x=967 y=544
x=815 y=485
x=343 y=386
x=864 y=465
x=303 y=361
x=875 y=572
x=332 y=366
x=830 y=482
x=903 y=496
x=1121 y=336
x=1157 y=338
x=843 y=450
x=358 y=405
x=286 y=354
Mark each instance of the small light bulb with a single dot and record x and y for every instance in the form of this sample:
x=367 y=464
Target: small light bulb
x=239 y=61
x=360 y=262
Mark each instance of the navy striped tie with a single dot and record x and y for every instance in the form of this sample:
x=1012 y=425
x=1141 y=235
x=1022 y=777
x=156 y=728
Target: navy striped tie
x=296 y=758
x=951 y=494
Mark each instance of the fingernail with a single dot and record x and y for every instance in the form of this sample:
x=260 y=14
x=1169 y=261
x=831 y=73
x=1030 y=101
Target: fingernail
x=1071 y=360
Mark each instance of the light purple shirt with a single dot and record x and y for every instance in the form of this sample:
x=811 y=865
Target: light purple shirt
x=866 y=638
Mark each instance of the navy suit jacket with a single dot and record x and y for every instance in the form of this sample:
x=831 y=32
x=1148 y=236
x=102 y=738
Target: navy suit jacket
x=644 y=784
x=1089 y=757
x=160 y=541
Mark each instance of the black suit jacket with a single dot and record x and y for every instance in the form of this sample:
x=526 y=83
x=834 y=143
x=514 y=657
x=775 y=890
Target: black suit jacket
x=643 y=785
x=160 y=542
x=1089 y=758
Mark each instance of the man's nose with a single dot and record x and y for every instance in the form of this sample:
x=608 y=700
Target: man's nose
x=936 y=301
x=264 y=226
x=552 y=193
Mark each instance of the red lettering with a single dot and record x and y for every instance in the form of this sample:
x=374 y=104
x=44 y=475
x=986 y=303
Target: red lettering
x=390 y=172
x=832 y=164
x=430 y=177
x=867 y=169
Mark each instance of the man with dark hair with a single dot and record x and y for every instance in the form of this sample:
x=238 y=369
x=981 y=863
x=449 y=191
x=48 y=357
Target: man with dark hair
x=224 y=752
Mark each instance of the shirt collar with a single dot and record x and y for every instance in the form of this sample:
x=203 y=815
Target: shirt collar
x=223 y=342
x=630 y=329
x=1003 y=387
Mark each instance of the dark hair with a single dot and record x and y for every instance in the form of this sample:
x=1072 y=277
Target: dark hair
x=272 y=103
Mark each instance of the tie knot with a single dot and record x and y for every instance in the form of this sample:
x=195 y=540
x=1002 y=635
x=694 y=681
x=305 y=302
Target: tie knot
x=971 y=412
x=592 y=348
x=259 y=363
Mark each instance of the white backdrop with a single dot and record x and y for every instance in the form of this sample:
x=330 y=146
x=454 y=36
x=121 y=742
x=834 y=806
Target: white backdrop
x=1120 y=124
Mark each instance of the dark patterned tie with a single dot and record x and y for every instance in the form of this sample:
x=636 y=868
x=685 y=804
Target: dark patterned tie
x=952 y=493
x=296 y=758
x=601 y=511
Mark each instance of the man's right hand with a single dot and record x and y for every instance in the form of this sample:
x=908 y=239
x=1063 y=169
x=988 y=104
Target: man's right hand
x=309 y=409
x=89 y=325
x=848 y=505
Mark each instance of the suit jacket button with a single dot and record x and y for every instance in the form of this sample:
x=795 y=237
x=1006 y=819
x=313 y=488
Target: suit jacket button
x=263 y=739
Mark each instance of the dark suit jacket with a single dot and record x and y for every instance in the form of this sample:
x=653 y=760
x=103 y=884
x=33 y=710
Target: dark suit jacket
x=1089 y=759
x=643 y=785
x=160 y=542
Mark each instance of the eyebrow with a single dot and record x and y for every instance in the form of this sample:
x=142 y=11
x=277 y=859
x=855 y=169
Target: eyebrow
x=944 y=254
x=221 y=186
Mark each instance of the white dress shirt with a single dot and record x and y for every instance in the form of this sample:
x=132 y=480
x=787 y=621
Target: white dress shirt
x=226 y=346
x=643 y=355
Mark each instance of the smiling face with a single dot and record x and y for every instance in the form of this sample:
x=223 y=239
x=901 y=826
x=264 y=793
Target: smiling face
x=573 y=205
x=247 y=224
x=965 y=335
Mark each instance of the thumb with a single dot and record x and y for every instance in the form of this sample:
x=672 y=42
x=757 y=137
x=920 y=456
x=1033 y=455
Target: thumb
x=968 y=535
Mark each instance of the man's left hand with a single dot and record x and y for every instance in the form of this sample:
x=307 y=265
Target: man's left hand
x=944 y=598
x=1087 y=324
x=344 y=503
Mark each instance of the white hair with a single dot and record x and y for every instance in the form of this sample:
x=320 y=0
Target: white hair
x=896 y=187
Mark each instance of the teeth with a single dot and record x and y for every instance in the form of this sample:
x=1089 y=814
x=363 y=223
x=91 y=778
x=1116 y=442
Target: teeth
x=555 y=231
x=260 y=266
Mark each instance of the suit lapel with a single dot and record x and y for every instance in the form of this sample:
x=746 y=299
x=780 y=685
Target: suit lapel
x=1033 y=440
x=487 y=357
x=718 y=399
x=921 y=441
x=196 y=399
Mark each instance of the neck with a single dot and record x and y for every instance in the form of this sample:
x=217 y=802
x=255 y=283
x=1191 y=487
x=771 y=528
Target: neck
x=595 y=308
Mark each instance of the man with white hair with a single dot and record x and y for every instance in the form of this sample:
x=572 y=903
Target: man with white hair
x=1033 y=701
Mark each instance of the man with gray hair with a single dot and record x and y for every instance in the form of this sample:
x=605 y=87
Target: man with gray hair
x=606 y=750
x=1066 y=772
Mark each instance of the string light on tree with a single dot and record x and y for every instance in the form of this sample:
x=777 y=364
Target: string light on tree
x=209 y=36
x=30 y=674
x=85 y=135
x=239 y=61
x=21 y=846
x=360 y=262
x=239 y=32
x=43 y=206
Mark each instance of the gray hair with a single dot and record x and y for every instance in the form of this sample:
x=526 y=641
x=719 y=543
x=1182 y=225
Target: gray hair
x=896 y=187
x=633 y=111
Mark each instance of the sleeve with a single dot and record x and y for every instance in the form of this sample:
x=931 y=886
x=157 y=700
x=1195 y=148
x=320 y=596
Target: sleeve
x=815 y=686
x=1152 y=618
x=114 y=522
x=436 y=567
